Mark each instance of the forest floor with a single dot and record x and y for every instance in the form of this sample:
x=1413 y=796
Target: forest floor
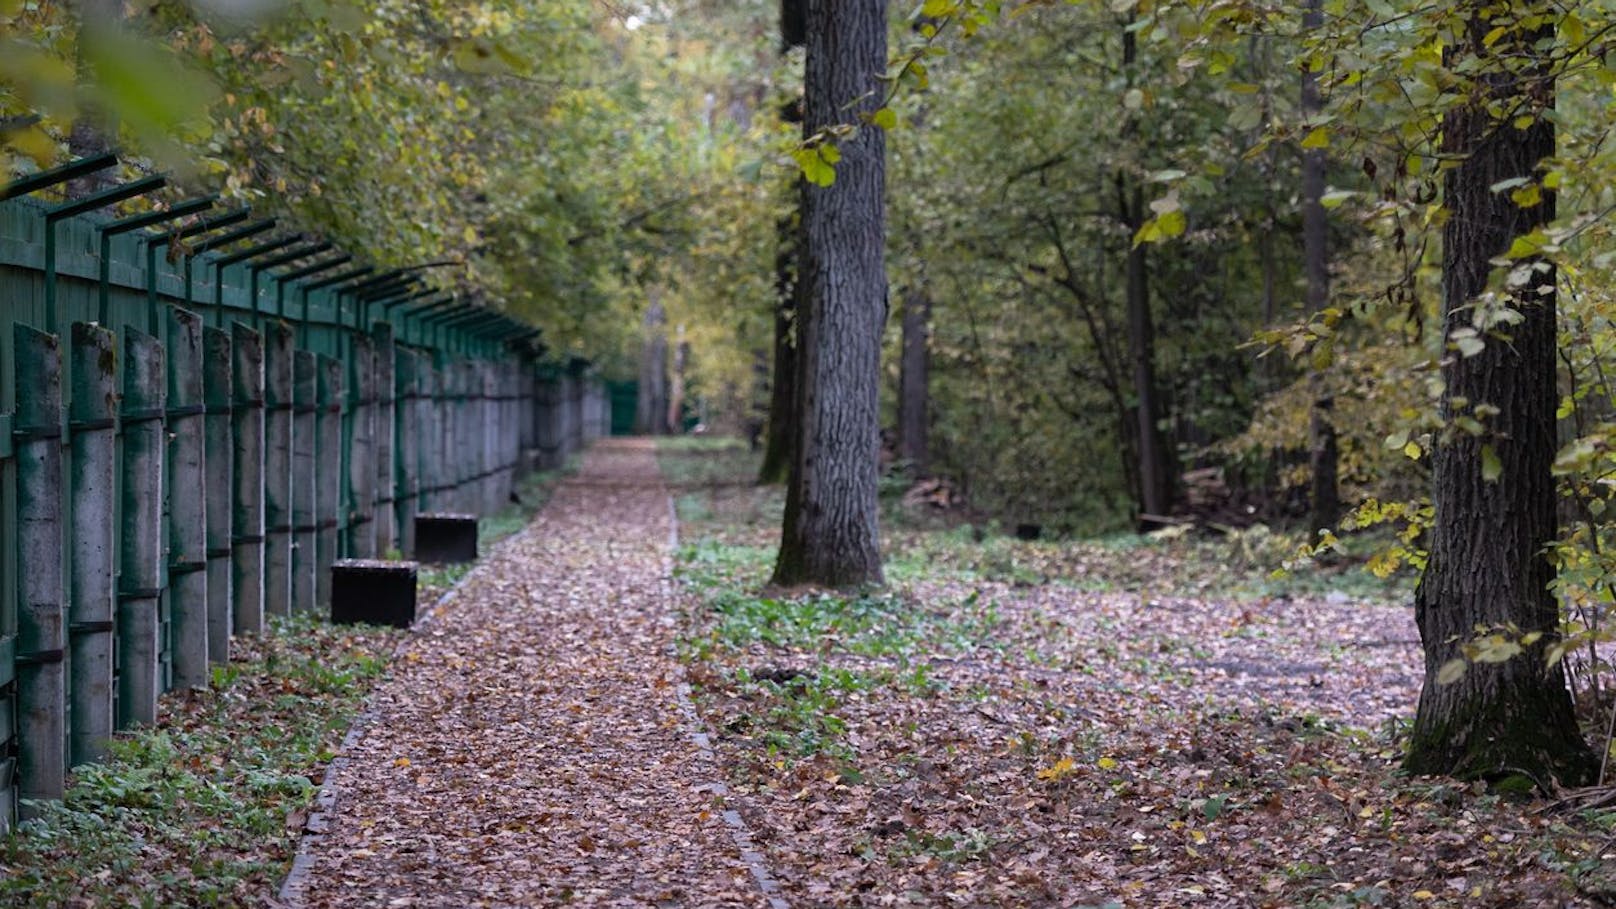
x=1120 y=723
x=611 y=709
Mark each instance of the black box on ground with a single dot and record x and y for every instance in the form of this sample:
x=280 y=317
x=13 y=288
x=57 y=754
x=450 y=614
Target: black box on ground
x=372 y=591
x=445 y=538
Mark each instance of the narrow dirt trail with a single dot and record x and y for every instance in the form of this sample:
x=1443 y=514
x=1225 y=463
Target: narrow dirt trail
x=531 y=748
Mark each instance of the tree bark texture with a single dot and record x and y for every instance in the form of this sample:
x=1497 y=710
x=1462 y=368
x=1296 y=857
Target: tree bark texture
x=1156 y=461
x=1324 y=502
x=914 y=374
x=1487 y=564
x=830 y=534
x=781 y=433
x=652 y=405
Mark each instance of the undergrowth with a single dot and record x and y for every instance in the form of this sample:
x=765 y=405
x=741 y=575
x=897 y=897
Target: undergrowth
x=205 y=808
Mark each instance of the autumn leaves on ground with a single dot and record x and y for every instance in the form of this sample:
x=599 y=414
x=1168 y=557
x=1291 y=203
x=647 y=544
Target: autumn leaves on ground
x=1152 y=723
x=1149 y=722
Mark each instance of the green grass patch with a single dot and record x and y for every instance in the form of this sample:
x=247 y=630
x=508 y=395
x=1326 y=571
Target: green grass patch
x=205 y=808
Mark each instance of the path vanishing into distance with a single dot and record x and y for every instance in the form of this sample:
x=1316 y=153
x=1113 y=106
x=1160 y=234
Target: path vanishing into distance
x=534 y=744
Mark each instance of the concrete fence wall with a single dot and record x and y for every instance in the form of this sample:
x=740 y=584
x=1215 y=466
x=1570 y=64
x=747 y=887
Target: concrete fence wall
x=171 y=478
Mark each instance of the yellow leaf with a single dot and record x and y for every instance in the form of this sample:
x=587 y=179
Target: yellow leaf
x=1058 y=770
x=1106 y=763
x=1424 y=895
x=1527 y=196
x=402 y=762
x=1318 y=138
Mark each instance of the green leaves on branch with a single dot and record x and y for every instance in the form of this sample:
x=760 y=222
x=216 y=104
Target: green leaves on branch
x=818 y=162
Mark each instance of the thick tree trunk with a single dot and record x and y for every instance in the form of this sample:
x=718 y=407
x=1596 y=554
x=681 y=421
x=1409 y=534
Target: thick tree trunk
x=914 y=375
x=651 y=408
x=781 y=433
x=1487 y=564
x=830 y=534
x=1324 y=503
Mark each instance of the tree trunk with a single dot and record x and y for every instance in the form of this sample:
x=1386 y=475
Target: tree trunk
x=830 y=534
x=1155 y=461
x=781 y=433
x=652 y=406
x=1155 y=493
x=94 y=127
x=1487 y=564
x=1324 y=503
x=914 y=373
x=676 y=394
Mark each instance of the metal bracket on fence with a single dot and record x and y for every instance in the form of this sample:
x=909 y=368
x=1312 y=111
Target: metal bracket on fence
x=64 y=210
x=256 y=266
x=137 y=222
x=243 y=255
x=72 y=170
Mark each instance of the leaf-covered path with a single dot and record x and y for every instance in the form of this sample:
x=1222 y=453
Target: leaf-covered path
x=531 y=747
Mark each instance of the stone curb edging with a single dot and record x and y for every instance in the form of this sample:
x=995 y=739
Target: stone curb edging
x=696 y=729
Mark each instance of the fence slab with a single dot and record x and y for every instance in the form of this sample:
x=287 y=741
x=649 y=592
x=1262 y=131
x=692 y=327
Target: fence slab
x=187 y=502
x=219 y=456
x=328 y=472
x=92 y=600
x=247 y=465
x=305 y=481
x=279 y=402
x=41 y=619
x=141 y=577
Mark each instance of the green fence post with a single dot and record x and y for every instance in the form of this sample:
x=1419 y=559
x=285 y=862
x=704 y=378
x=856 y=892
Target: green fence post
x=140 y=576
x=41 y=619
x=328 y=470
x=305 y=522
x=385 y=492
x=187 y=502
x=219 y=455
x=247 y=463
x=279 y=501
x=94 y=561
x=362 y=449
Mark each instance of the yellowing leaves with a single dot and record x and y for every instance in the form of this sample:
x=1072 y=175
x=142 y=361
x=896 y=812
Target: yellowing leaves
x=1058 y=771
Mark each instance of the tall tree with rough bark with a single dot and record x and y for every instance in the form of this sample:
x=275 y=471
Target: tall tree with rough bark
x=830 y=534
x=780 y=432
x=1494 y=706
x=1324 y=502
x=1156 y=460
